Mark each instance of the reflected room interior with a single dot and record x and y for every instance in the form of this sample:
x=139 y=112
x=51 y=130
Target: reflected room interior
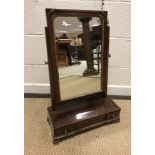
x=78 y=48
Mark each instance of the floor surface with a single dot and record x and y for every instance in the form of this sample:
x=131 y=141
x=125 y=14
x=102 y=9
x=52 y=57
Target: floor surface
x=112 y=139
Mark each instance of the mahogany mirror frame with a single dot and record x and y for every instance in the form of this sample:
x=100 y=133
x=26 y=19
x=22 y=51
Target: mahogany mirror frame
x=73 y=116
x=51 y=14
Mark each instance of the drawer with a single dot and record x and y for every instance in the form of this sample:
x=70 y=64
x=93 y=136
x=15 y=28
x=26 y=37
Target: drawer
x=112 y=115
x=64 y=131
x=90 y=122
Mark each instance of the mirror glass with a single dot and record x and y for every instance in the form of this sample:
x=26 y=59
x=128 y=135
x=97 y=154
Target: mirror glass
x=78 y=47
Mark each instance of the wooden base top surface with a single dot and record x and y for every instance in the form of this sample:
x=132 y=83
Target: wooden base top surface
x=73 y=113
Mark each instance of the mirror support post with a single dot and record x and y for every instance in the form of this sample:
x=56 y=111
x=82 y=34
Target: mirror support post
x=90 y=70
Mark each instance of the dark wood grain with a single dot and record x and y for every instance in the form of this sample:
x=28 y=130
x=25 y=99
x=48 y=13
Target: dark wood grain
x=104 y=60
x=51 y=14
x=77 y=115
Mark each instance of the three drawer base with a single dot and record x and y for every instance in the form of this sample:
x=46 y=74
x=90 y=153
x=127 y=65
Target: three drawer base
x=66 y=122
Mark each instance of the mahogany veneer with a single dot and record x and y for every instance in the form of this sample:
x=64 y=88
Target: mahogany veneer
x=78 y=116
x=69 y=117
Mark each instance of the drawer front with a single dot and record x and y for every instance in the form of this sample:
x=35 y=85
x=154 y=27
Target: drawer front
x=90 y=123
x=86 y=124
x=112 y=115
x=64 y=131
x=59 y=132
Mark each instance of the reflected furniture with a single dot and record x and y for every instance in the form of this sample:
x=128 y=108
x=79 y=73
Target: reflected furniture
x=97 y=58
x=62 y=58
x=61 y=52
x=75 y=53
x=73 y=116
x=95 y=36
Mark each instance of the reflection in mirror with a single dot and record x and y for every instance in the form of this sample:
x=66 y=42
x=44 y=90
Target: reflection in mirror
x=78 y=47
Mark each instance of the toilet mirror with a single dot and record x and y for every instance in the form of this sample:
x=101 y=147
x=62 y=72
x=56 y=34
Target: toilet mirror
x=77 y=45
